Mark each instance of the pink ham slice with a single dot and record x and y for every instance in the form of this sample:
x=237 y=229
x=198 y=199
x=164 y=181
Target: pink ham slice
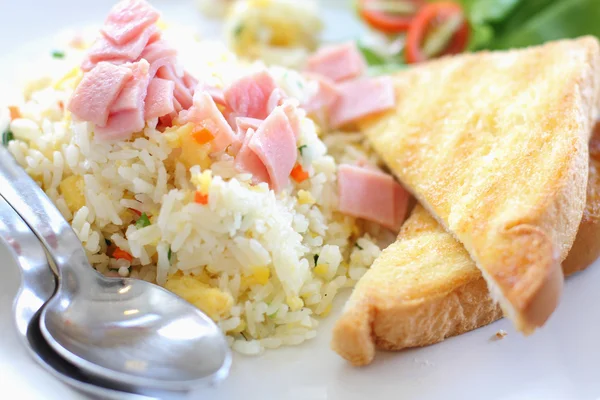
x=121 y=125
x=159 y=99
x=128 y=19
x=291 y=112
x=205 y=113
x=190 y=82
x=183 y=95
x=133 y=93
x=159 y=54
x=326 y=95
x=360 y=98
x=247 y=161
x=337 y=62
x=372 y=195
x=217 y=94
x=249 y=96
x=275 y=144
x=104 y=50
x=97 y=92
x=245 y=123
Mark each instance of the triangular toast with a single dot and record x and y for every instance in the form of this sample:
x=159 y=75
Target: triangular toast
x=425 y=287
x=494 y=145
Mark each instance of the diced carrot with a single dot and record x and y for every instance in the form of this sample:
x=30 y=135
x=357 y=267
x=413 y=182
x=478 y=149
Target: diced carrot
x=201 y=198
x=202 y=135
x=299 y=174
x=61 y=105
x=14 y=112
x=122 y=254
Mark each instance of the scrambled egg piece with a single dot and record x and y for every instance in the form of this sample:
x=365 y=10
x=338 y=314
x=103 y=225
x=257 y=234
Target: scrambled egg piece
x=202 y=181
x=72 y=190
x=305 y=197
x=70 y=80
x=259 y=276
x=213 y=301
x=192 y=152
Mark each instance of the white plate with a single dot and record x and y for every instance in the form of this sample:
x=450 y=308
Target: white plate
x=558 y=362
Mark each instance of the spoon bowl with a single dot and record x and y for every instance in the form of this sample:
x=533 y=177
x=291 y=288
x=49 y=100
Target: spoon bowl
x=135 y=332
x=128 y=331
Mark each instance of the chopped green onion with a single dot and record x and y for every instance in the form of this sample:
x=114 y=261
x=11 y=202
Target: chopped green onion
x=301 y=149
x=238 y=30
x=143 y=221
x=316 y=258
x=58 y=54
x=170 y=254
x=7 y=136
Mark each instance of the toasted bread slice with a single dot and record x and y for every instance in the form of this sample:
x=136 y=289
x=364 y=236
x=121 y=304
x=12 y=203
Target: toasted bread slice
x=495 y=146
x=425 y=287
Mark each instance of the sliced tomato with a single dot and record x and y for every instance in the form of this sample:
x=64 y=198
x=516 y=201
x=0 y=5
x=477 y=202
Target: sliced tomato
x=438 y=29
x=389 y=16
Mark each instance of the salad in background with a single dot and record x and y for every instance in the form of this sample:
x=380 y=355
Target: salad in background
x=411 y=31
x=402 y=32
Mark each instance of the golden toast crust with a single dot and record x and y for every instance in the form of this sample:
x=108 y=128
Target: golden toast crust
x=430 y=301
x=495 y=146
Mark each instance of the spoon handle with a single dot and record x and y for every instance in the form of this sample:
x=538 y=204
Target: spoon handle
x=31 y=203
x=37 y=280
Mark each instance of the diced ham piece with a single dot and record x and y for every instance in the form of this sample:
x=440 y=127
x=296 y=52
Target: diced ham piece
x=122 y=125
x=134 y=92
x=291 y=112
x=97 y=92
x=128 y=19
x=326 y=95
x=275 y=144
x=372 y=195
x=249 y=96
x=217 y=94
x=159 y=99
x=182 y=93
x=360 y=98
x=159 y=54
x=245 y=123
x=205 y=113
x=104 y=50
x=189 y=81
x=337 y=62
x=276 y=99
x=247 y=161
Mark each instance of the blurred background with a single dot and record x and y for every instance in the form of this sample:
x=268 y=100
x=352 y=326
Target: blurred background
x=394 y=33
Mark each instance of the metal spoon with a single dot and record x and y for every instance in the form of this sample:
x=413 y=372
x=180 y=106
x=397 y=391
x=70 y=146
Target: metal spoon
x=126 y=331
x=38 y=284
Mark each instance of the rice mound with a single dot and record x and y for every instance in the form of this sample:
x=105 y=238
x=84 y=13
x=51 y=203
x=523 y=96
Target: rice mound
x=263 y=265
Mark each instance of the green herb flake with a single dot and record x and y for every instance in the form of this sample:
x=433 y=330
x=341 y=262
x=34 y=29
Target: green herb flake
x=301 y=149
x=58 y=54
x=358 y=246
x=170 y=254
x=238 y=30
x=143 y=221
x=7 y=136
x=316 y=258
